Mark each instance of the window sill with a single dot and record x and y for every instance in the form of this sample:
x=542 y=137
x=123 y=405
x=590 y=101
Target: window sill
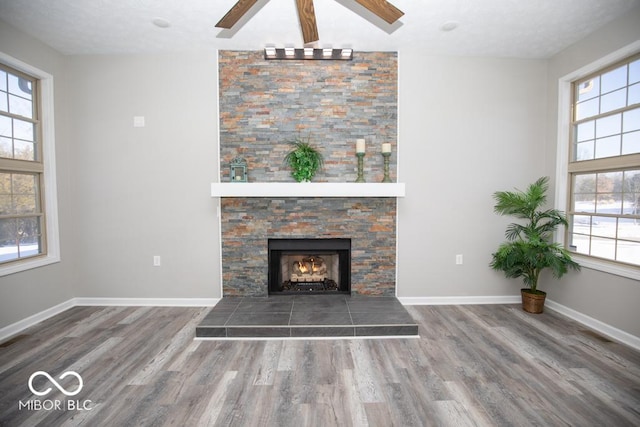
x=607 y=267
x=28 y=264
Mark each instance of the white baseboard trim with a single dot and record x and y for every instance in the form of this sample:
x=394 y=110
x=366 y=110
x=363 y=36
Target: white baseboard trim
x=158 y=302
x=461 y=300
x=605 y=329
x=19 y=326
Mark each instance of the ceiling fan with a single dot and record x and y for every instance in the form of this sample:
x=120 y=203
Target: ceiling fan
x=307 y=16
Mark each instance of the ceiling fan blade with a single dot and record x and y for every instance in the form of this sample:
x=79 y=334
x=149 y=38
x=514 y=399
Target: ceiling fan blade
x=383 y=9
x=235 y=13
x=307 y=16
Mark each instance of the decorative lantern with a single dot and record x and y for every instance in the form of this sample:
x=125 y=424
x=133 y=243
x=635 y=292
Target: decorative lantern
x=238 y=170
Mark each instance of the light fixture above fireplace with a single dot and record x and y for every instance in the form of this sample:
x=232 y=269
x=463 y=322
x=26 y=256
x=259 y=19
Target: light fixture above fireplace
x=308 y=53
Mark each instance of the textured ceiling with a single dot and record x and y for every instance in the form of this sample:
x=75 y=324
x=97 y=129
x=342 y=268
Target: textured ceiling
x=498 y=28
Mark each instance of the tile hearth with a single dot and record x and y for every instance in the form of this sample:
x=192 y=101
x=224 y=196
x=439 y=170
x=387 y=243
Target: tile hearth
x=307 y=316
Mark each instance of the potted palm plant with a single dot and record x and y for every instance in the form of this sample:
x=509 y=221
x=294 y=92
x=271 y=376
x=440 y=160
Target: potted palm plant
x=529 y=248
x=304 y=160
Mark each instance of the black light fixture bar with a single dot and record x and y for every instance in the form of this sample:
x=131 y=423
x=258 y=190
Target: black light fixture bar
x=308 y=53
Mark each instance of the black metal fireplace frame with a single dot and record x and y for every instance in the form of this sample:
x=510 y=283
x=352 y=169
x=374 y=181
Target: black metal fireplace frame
x=279 y=247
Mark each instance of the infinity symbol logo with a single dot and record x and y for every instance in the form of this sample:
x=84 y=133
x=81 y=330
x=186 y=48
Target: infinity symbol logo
x=55 y=383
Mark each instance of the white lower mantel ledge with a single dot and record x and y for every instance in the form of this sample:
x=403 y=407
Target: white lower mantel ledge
x=307 y=189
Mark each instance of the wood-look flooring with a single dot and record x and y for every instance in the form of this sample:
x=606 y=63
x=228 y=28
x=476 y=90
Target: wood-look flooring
x=491 y=365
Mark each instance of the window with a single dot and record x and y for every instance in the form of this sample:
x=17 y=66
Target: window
x=28 y=209
x=21 y=207
x=604 y=164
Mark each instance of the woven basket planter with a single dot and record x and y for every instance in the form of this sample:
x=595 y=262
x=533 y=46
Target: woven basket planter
x=533 y=303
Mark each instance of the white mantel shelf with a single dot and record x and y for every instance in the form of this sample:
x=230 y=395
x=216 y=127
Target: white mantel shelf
x=307 y=189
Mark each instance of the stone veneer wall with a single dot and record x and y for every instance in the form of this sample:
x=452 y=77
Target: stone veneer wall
x=247 y=223
x=265 y=103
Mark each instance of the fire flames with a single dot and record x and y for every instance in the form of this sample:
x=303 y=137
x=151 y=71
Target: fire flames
x=302 y=267
x=309 y=265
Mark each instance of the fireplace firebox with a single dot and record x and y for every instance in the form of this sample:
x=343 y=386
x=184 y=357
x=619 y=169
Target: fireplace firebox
x=309 y=266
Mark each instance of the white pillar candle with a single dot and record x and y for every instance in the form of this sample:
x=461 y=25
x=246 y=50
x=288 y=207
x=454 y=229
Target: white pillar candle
x=359 y=145
x=386 y=147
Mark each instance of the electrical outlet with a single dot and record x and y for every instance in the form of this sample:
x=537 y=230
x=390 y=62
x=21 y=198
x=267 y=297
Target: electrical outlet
x=459 y=259
x=156 y=260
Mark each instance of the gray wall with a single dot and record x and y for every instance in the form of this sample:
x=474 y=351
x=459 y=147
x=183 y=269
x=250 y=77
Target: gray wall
x=141 y=192
x=468 y=127
x=30 y=292
x=608 y=298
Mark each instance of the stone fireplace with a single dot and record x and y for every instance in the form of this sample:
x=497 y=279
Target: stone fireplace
x=263 y=104
x=250 y=223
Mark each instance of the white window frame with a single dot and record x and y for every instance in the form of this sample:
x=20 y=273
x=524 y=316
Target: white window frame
x=49 y=164
x=562 y=154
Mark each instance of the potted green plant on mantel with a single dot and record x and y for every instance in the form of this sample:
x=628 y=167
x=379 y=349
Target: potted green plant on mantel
x=529 y=248
x=304 y=160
